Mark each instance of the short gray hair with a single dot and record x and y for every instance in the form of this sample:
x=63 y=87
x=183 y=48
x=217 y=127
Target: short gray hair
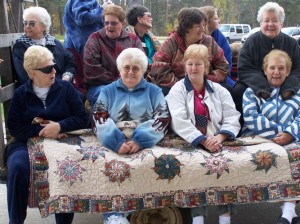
x=135 y=55
x=273 y=7
x=36 y=55
x=41 y=13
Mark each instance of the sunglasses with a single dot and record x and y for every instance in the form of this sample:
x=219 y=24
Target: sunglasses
x=114 y=23
x=30 y=23
x=47 y=70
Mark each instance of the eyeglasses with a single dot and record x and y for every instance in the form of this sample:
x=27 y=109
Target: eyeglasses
x=148 y=15
x=30 y=23
x=133 y=69
x=114 y=23
x=47 y=70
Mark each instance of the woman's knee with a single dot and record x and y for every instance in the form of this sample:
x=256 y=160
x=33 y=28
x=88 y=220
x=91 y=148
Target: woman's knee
x=18 y=163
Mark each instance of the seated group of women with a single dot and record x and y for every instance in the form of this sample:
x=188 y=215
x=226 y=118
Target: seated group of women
x=201 y=110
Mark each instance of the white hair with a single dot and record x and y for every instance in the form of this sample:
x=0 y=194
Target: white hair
x=41 y=13
x=273 y=7
x=135 y=55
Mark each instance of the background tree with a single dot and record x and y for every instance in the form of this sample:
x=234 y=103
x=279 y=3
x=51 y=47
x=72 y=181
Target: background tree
x=165 y=12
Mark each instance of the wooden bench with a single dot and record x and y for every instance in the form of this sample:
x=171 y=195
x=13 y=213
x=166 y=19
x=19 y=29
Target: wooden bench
x=7 y=87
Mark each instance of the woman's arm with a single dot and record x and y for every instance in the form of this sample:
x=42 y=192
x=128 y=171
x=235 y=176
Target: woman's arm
x=255 y=120
x=106 y=130
x=219 y=65
x=20 y=126
x=18 y=58
x=164 y=69
x=86 y=13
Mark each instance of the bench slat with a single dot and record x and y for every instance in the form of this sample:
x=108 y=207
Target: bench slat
x=7 y=92
x=8 y=40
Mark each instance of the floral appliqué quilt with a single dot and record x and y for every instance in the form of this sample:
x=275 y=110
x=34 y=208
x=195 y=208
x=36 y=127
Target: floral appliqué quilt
x=77 y=174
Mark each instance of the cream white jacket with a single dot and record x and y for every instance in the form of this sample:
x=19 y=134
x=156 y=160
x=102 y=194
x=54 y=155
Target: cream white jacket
x=224 y=117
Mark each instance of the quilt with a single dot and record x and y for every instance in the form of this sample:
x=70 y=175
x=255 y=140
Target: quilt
x=77 y=174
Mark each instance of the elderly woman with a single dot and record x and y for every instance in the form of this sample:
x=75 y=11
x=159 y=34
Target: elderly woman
x=53 y=100
x=168 y=66
x=212 y=29
x=140 y=22
x=37 y=22
x=257 y=46
x=274 y=118
x=203 y=112
x=102 y=49
x=131 y=100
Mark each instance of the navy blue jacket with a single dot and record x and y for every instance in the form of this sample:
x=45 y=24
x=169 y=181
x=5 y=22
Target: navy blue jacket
x=63 y=105
x=62 y=57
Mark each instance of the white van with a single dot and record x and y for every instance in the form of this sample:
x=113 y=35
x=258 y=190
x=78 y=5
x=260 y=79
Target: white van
x=234 y=32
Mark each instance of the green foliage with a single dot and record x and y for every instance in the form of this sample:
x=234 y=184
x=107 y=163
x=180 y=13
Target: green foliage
x=165 y=12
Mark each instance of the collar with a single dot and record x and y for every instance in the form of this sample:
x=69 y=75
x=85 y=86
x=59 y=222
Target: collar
x=276 y=41
x=124 y=34
x=141 y=85
x=189 y=87
x=29 y=86
x=23 y=38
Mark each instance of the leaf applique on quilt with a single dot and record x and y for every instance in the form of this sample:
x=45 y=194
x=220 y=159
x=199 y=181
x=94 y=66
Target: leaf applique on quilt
x=167 y=167
x=140 y=154
x=73 y=140
x=92 y=152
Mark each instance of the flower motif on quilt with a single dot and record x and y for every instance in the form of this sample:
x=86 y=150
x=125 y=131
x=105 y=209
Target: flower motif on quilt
x=236 y=149
x=167 y=167
x=117 y=171
x=140 y=154
x=73 y=140
x=264 y=160
x=92 y=152
x=216 y=164
x=69 y=170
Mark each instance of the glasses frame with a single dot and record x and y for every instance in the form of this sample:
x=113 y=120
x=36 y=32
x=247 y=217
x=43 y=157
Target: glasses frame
x=134 y=70
x=113 y=23
x=31 y=24
x=46 y=70
x=147 y=14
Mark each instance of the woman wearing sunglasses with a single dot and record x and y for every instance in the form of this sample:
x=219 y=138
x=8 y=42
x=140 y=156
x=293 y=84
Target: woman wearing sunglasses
x=37 y=22
x=60 y=107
